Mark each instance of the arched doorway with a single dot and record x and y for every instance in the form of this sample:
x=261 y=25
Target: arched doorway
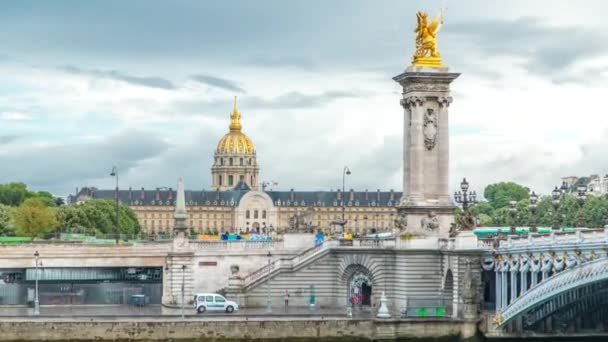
x=360 y=289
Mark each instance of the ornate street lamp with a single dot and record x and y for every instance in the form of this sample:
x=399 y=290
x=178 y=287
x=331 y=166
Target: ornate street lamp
x=36 y=297
x=342 y=223
x=464 y=197
x=580 y=198
x=533 y=206
x=268 y=298
x=513 y=211
x=556 y=195
x=114 y=173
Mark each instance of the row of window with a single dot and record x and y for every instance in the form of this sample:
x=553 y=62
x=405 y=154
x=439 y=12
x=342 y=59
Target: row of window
x=230 y=161
x=255 y=214
x=220 y=180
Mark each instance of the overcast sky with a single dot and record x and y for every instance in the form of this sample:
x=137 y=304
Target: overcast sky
x=148 y=86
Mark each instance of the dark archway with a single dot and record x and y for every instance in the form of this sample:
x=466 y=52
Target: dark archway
x=359 y=283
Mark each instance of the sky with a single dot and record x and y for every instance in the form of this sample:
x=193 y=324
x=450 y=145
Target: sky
x=148 y=86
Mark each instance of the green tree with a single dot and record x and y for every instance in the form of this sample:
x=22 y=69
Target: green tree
x=500 y=194
x=13 y=194
x=6 y=228
x=33 y=218
x=97 y=216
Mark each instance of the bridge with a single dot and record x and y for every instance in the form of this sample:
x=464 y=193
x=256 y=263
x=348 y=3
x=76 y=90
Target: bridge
x=555 y=282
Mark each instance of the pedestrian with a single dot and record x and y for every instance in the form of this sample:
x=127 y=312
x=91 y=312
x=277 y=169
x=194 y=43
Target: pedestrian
x=286 y=299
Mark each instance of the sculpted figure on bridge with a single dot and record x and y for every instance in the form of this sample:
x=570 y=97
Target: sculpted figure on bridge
x=430 y=222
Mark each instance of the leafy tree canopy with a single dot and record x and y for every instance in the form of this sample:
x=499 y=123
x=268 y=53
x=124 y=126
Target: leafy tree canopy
x=33 y=218
x=500 y=194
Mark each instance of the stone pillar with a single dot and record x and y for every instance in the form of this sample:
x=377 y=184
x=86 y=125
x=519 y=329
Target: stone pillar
x=514 y=271
x=499 y=290
x=505 y=289
x=426 y=197
x=524 y=282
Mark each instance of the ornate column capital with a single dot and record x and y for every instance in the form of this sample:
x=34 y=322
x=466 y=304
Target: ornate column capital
x=412 y=101
x=444 y=101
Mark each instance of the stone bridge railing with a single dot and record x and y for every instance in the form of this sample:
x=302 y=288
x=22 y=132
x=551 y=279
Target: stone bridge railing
x=242 y=245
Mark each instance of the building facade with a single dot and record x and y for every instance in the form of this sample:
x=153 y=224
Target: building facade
x=236 y=203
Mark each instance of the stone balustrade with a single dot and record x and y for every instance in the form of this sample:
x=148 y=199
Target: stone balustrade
x=197 y=245
x=581 y=236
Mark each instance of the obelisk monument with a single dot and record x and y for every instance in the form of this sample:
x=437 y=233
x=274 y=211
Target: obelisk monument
x=426 y=203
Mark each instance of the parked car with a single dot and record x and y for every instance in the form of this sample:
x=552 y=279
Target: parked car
x=214 y=302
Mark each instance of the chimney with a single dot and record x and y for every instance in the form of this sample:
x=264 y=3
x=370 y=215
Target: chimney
x=292 y=195
x=352 y=195
x=378 y=197
x=130 y=194
x=170 y=193
x=157 y=195
x=366 y=195
x=392 y=196
x=339 y=196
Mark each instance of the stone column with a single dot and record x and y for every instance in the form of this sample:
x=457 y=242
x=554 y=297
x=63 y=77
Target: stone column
x=514 y=271
x=426 y=196
x=498 y=298
x=505 y=289
x=443 y=150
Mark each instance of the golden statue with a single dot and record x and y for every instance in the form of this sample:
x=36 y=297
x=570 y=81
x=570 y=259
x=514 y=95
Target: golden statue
x=426 y=54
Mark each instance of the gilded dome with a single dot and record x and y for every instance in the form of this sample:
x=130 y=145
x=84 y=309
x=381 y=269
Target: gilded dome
x=235 y=141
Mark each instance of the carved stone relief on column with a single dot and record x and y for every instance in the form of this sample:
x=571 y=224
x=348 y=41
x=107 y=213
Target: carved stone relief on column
x=430 y=129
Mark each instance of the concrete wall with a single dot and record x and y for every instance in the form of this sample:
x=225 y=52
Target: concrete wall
x=167 y=329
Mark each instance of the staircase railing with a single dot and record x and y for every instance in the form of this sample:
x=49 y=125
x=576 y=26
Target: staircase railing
x=288 y=262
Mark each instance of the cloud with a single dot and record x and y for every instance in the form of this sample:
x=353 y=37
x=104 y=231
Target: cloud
x=146 y=81
x=293 y=100
x=547 y=49
x=290 y=100
x=69 y=165
x=6 y=139
x=15 y=116
x=217 y=82
x=282 y=61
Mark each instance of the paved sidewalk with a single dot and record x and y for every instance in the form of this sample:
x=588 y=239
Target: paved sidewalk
x=125 y=311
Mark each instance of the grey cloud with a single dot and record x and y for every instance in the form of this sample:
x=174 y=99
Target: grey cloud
x=217 y=82
x=549 y=50
x=298 y=100
x=68 y=166
x=146 y=81
x=5 y=139
x=290 y=100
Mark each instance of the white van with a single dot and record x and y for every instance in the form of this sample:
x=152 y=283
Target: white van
x=214 y=302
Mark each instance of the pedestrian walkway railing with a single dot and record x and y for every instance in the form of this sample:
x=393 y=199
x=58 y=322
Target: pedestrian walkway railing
x=199 y=245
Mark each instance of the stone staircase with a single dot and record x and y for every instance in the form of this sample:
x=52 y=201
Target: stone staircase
x=286 y=265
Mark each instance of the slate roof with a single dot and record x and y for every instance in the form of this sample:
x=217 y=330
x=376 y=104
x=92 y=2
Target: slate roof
x=232 y=197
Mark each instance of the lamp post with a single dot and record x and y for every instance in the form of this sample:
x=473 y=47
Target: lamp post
x=556 y=194
x=465 y=197
x=114 y=173
x=533 y=206
x=36 y=298
x=268 y=298
x=580 y=198
x=183 y=287
x=513 y=211
x=345 y=173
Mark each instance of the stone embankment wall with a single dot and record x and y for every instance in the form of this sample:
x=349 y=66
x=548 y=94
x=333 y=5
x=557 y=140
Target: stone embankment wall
x=189 y=330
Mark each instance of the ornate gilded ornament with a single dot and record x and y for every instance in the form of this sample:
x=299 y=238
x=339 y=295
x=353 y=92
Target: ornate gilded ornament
x=430 y=129
x=427 y=54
